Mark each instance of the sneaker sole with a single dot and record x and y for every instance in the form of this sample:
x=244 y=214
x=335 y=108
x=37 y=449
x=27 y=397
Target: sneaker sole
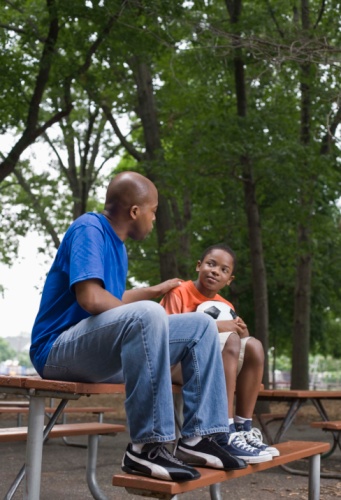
x=273 y=453
x=256 y=460
x=147 y=469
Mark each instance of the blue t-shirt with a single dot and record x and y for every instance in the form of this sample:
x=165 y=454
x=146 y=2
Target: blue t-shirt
x=90 y=249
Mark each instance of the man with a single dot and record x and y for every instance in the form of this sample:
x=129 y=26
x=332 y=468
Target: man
x=89 y=329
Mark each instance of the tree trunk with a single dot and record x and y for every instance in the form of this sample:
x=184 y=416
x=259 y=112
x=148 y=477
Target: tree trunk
x=259 y=279
x=301 y=341
x=155 y=160
x=302 y=305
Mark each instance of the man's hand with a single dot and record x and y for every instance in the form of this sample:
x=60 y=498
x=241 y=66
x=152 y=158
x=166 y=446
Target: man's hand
x=165 y=286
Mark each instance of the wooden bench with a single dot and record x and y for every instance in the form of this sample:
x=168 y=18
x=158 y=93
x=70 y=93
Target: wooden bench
x=100 y=411
x=12 y=434
x=333 y=426
x=290 y=451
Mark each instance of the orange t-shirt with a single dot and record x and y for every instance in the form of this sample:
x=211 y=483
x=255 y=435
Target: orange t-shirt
x=186 y=298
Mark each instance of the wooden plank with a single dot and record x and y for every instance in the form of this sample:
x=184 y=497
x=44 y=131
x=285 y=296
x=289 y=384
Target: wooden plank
x=307 y=394
x=56 y=385
x=11 y=434
x=290 y=451
x=333 y=425
x=69 y=409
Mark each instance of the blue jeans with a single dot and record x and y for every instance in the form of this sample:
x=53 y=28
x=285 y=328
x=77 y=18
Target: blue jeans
x=136 y=344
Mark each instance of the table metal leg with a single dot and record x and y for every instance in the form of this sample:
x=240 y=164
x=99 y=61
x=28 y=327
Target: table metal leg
x=96 y=492
x=314 y=477
x=34 y=448
x=20 y=476
x=215 y=491
x=292 y=412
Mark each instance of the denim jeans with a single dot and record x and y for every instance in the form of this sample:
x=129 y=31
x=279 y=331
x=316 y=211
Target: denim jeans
x=136 y=344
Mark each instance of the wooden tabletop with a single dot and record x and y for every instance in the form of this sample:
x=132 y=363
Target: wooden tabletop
x=55 y=385
x=298 y=394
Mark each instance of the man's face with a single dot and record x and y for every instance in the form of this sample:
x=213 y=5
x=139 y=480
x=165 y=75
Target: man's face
x=215 y=271
x=145 y=217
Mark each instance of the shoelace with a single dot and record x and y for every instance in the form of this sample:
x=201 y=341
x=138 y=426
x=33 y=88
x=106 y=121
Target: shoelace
x=160 y=450
x=254 y=436
x=239 y=442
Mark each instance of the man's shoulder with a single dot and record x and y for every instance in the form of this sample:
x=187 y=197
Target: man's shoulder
x=87 y=220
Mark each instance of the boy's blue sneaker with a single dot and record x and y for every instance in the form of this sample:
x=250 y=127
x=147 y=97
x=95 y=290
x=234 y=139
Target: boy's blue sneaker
x=236 y=445
x=253 y=437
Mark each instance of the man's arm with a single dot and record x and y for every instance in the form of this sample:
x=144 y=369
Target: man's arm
x=150 y=292
x=92 y=297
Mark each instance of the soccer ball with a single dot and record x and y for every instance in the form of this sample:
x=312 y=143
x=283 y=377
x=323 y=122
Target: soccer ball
x=217 y=309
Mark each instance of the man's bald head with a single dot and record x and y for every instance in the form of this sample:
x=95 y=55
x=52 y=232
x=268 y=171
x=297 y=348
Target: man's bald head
x=127 y=189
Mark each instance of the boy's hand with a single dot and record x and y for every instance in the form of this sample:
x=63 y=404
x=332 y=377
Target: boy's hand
x=234 y=325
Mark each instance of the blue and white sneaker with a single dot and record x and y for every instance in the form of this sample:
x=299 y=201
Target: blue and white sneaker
x=238 y=447
x=253 y=437
x=156 y=461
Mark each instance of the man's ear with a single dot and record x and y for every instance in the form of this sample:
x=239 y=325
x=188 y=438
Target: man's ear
x=134 y=211
x=198 y=265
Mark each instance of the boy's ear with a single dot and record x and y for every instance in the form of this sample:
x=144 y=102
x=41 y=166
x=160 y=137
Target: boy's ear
x=198 y=265
x=230 y=280
x=134 y=211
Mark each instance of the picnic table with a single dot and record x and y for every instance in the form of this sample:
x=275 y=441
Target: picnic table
x=296 y=399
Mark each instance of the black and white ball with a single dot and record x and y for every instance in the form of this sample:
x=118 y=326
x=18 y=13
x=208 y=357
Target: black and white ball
x=218 y=310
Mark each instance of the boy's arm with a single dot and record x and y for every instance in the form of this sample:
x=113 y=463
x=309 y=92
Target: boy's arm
x=150 y=292
x=172 y=303
x=234 y=325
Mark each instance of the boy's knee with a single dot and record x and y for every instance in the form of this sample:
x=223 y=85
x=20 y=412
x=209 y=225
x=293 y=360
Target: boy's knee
x=254 y=350
x=232 y=346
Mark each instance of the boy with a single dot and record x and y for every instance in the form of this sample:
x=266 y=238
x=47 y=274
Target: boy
x=243 y=356
x=89 y=329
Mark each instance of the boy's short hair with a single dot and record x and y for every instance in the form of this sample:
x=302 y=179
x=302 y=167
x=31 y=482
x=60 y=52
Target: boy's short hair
x=220 y=246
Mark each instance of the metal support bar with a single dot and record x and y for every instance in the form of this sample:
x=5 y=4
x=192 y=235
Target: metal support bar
x=96 y=492
x=295 y=406
x=314 y=477
x=215 y=491
x=37 y=405
x=34 y=449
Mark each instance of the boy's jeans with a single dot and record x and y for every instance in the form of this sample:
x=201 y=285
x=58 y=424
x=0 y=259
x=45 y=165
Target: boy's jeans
x=136 y=344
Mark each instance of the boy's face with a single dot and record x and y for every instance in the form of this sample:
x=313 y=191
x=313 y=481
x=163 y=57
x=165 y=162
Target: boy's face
x=215 y=271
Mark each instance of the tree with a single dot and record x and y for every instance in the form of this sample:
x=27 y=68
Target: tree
x=6 y=352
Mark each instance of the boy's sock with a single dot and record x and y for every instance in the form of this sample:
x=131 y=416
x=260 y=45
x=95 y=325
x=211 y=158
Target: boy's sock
x=242 y=424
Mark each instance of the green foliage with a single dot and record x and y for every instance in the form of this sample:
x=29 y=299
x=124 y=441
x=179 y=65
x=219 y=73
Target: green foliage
x=24 y=360
x=6 y=352
x=190 y=48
